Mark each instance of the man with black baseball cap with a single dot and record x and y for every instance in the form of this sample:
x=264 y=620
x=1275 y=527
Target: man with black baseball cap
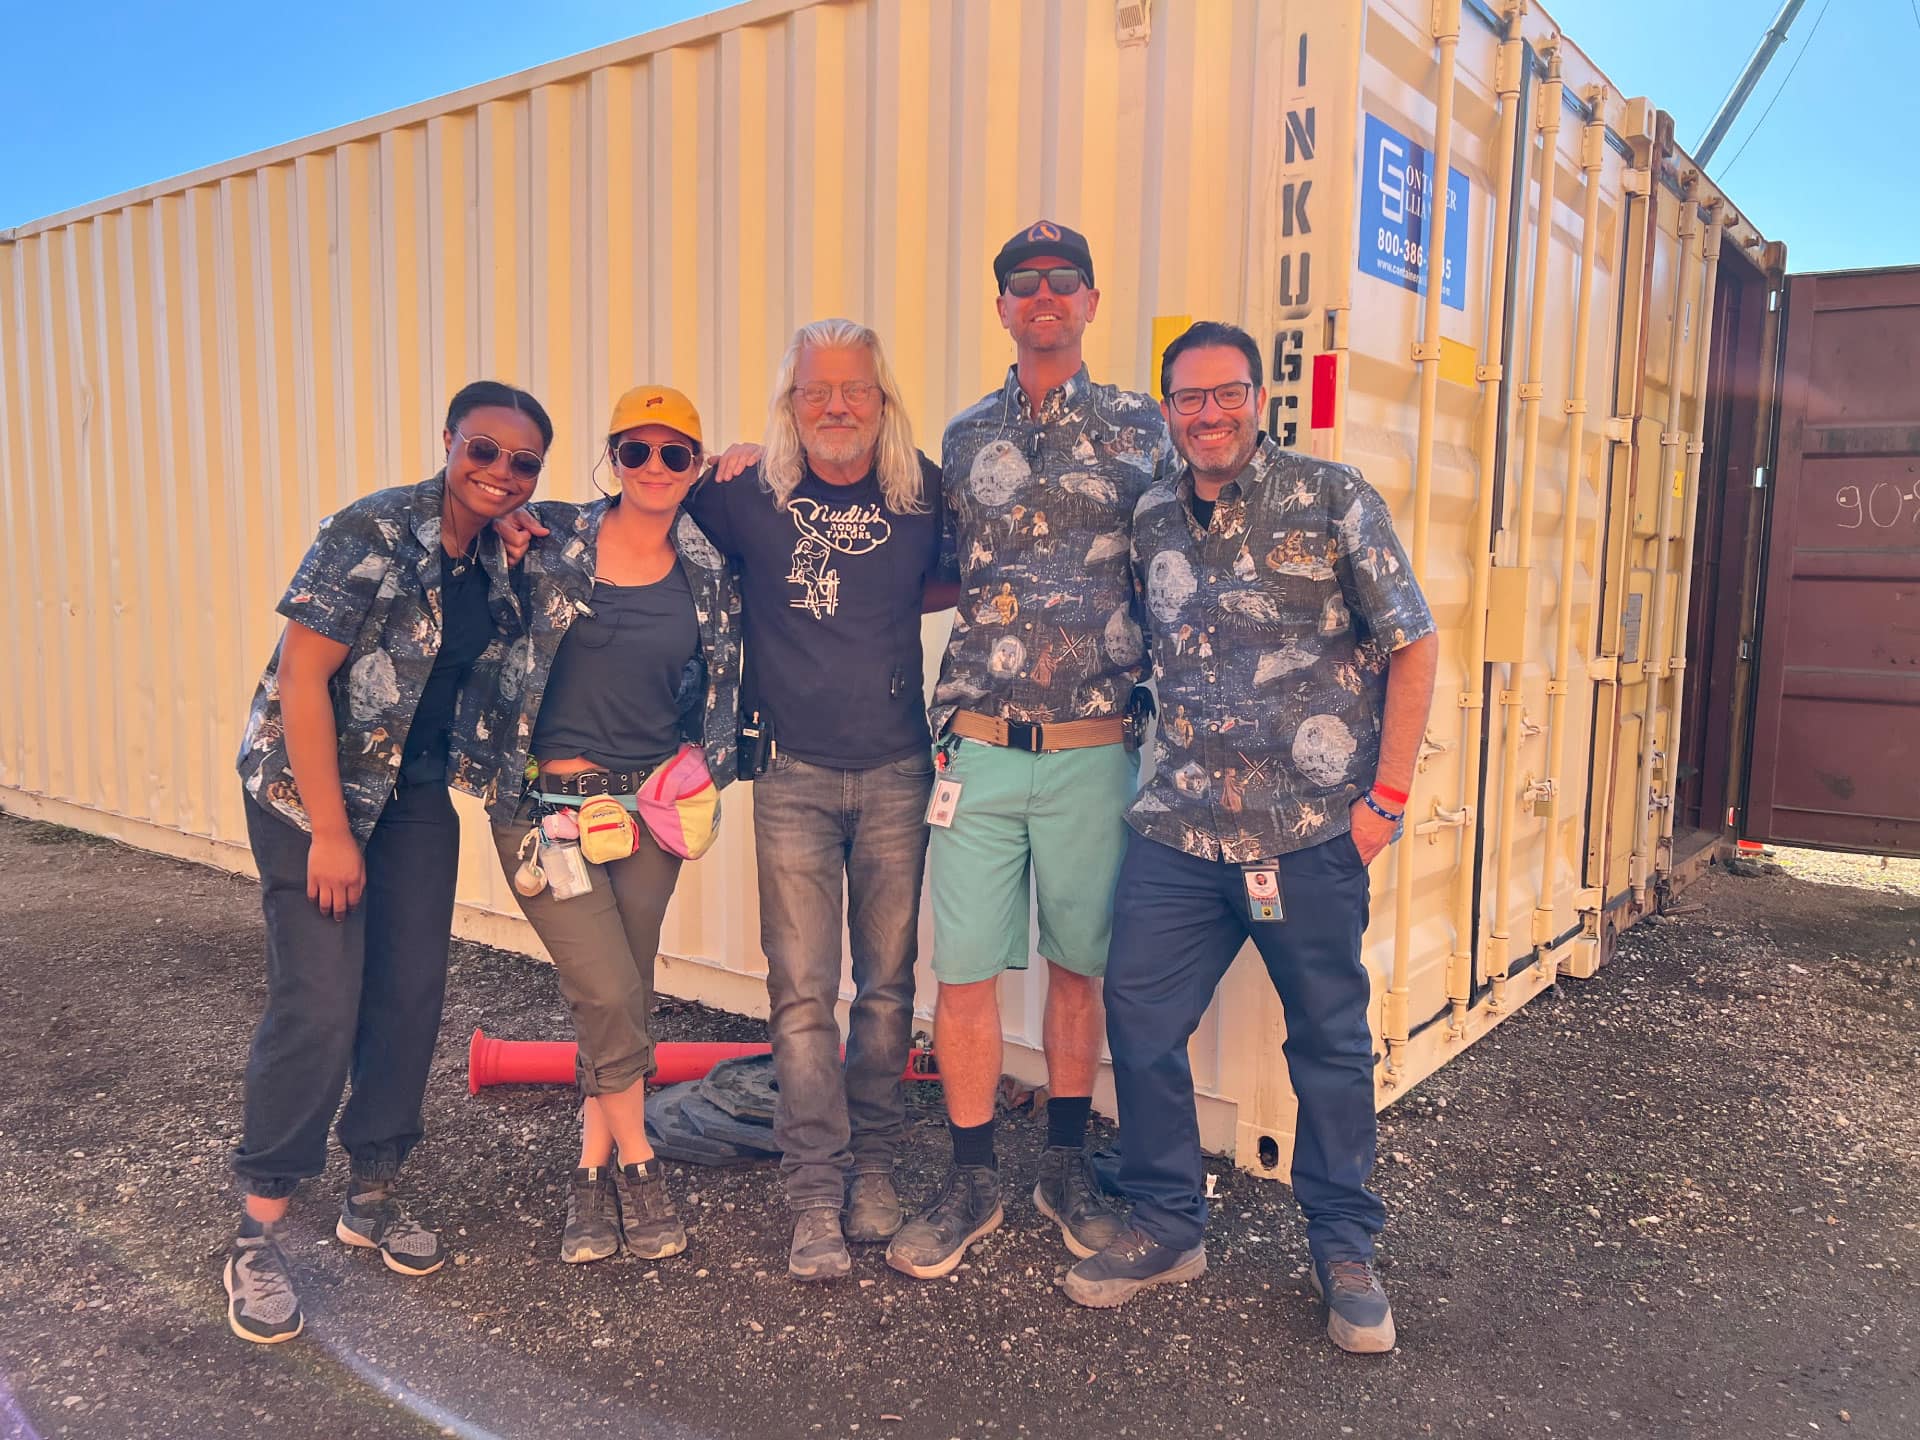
x=1044 y=240
x=1035 y=767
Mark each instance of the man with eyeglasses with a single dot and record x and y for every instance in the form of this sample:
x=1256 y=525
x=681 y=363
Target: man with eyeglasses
x=1304 y=709
x=837 y=535
x=1041 y=477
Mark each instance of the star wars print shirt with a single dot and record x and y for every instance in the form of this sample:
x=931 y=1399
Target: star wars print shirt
x=371 y=581
x=1047 y=628
x=1270 y=630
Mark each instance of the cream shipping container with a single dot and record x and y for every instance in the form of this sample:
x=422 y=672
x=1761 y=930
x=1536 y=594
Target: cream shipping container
x=193 y=374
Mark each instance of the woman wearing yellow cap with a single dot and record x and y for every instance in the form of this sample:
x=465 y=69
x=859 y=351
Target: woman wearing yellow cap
x=641 y=685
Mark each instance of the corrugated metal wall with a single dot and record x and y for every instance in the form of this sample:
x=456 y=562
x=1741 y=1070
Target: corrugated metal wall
x=191 y=376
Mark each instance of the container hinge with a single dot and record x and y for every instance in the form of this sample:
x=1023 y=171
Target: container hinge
x=1618 y=429
x=1746 y=649
x=1133 y=22
x=1638 y=182
x=1605 y=669
x=1759 y=477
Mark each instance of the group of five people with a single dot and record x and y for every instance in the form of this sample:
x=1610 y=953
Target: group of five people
x=582 y=668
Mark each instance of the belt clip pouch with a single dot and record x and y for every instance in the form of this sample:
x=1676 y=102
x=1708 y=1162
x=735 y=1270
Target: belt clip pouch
x=608 y=830
x=566 y=871
x=756 y=745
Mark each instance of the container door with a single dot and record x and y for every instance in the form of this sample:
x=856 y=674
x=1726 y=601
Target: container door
x=1835 y=762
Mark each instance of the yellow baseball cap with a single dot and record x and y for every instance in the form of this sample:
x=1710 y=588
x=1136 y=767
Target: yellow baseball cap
x=656 y=405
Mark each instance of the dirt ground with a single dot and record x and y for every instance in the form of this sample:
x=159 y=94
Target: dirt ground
x=1681 y=1199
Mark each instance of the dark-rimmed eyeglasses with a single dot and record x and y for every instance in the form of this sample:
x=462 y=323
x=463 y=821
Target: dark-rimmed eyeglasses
x=1061 y=280
x=1230 y=396
x=483 y=450
x=815 y=394
x=634 y=454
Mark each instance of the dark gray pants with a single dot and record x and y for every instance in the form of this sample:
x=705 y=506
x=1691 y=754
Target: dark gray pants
x=359 y=997
x=836 y=845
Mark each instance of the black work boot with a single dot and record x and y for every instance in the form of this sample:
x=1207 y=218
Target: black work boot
x=1069 y=1194
x=934 y=1241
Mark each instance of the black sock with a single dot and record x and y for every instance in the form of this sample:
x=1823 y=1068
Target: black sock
x=250 y=1228
x=973 y=1144
x=1067 y=1120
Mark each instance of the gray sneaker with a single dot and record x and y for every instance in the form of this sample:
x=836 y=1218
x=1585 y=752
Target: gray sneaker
x=819 y=1250
x=1069 y=1194
x=261 y=1305
x=648 y=1222
x=1359 y=1319
x=934 y=1241
x=372 y=1219
x=873 y=1207
x=592 y=1230
x=1129 y=1265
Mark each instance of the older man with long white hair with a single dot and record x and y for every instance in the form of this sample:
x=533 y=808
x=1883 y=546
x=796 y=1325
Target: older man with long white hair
x=837 y=532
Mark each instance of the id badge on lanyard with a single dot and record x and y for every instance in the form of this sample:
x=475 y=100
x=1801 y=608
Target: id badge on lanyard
x=1262 y=881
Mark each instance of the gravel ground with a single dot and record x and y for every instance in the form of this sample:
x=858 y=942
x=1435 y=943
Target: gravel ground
x=1676 y=1200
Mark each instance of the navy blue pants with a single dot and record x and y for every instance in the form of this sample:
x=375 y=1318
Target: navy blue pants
x=1178 y=922
x=358 y=998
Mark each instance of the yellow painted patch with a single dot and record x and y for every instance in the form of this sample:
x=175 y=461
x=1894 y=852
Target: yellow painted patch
x=1458 y=361
x=1166 y=328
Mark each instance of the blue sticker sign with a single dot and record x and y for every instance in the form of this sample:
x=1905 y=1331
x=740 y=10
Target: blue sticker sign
x=1396 y=188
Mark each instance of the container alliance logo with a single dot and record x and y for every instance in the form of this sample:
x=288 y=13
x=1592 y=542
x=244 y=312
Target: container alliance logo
x=1396 y=191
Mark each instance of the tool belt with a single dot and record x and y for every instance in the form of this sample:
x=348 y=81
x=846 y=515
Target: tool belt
x=588 y=783
x=1037 y=739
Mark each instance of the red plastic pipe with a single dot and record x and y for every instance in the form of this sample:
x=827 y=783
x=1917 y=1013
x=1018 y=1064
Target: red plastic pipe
x=551 y=1062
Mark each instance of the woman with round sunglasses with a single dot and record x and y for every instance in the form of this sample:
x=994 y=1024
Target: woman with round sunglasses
x=647 y=665
x=383 y=691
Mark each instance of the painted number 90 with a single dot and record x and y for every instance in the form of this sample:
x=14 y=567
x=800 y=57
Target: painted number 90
x=1882 y=505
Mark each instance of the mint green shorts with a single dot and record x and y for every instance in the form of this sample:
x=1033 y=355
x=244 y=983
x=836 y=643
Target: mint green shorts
x=1058 y=817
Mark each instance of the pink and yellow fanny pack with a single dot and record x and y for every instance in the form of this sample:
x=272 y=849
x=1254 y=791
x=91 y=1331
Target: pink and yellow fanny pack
x=680 y=805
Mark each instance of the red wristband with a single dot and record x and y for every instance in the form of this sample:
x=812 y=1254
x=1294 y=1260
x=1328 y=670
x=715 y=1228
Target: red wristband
x=1387 y=792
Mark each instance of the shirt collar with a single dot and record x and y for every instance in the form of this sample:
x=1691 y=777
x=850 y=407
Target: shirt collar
x=1060 y=400
x=424 y=518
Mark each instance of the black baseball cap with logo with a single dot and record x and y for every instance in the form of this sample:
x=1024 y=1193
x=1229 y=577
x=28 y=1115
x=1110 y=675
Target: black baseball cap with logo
x=1043 y=237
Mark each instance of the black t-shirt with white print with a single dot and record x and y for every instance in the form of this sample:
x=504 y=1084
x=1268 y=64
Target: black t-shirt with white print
x=831 y=588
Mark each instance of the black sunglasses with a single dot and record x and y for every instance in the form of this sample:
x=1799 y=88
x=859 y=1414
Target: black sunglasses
x=483 y=450
x=634 y=454
x=1061 y=280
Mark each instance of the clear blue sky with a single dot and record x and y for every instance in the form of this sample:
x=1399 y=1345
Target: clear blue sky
x=102 y=96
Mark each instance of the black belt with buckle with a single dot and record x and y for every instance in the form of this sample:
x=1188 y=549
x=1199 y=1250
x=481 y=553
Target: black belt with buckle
x=588 y=783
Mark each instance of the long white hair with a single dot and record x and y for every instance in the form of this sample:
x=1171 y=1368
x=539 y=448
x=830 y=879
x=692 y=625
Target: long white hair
x=896 y=462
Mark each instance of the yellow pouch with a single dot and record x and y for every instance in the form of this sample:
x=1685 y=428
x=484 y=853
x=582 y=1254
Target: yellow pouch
x=608 y=830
